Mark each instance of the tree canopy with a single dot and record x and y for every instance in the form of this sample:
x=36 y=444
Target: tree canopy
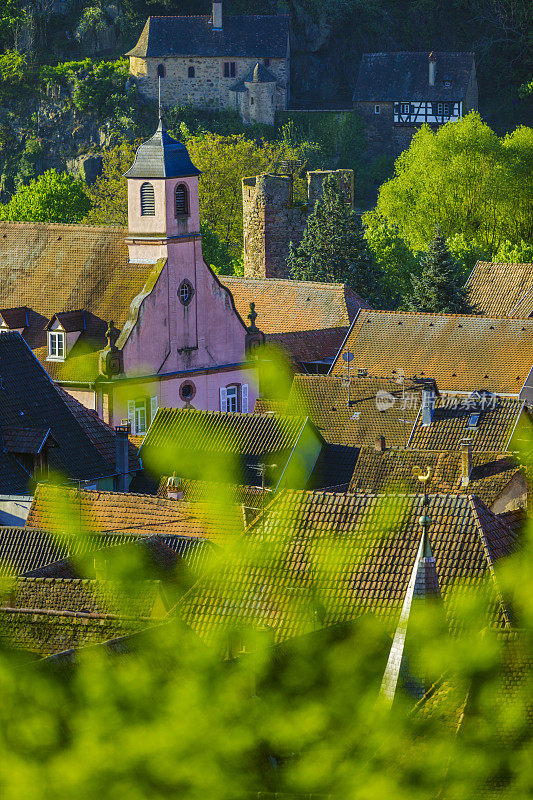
x=465 y=179
x=438 y=288
x=52 y=197
x=333 y=248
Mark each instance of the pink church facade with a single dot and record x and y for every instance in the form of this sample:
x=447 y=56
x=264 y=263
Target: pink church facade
x=184 y=343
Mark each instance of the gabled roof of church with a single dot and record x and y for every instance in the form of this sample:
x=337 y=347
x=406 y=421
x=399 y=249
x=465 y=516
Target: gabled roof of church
x=393 y=77
x=242 y=36
x=162 y=156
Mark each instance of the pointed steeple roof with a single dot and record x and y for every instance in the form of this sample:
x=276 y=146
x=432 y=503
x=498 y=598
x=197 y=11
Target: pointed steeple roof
x=423 y=584
x=162 y=156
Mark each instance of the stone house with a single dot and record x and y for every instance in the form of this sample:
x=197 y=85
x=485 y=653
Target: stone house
x=127 y=321
x=396 y=93
x=216 y=61
x=271 y=220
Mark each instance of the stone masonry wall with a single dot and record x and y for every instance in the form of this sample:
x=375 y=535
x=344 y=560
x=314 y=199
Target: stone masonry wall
x=208 y=88
x=271 y=221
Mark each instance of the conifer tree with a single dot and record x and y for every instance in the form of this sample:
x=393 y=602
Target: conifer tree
x=333 y=249
x=438 y=288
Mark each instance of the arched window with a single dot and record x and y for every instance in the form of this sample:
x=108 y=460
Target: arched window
x=191 y=72
x=161 y=70
x=181 y=200
x=147 y=200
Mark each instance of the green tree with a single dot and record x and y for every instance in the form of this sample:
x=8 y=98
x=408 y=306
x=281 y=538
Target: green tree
x=465 y=179
x=394 y=258
x=333 y=248
x=109 y=193
x=53 y=197
x=224 y=162
x=438 y=288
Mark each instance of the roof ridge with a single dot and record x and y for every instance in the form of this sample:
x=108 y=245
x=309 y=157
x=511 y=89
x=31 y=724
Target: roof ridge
x=284 y=280
x=480 y=317
x=62 y=225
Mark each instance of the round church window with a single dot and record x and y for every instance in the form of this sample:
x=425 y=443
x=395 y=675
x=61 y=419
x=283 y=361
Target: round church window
x=185 y=293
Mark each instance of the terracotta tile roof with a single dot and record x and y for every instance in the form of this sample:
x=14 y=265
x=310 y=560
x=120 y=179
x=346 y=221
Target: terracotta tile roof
x=391 y=471
x=82 y=596
x=348 y=414
x=85 y=445
x=502 y=290
x=67 y=270
x=47 y=632
x=308 y=347
x=285 y=306
x=242 y=36
x=320 y=559
x=69 y=511
x=493 y=430
x=334 y=468
x=265 y=406
x=461 y=353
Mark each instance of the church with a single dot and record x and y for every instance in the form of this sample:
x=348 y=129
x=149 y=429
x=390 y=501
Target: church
x=127 y=321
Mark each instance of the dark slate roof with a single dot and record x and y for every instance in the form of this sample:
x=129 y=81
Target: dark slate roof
x=18 y=439
x=28 y=399
x=246 y=36
x=257 y=74
x=405 y=76
x=69 y=320
x=162 y=157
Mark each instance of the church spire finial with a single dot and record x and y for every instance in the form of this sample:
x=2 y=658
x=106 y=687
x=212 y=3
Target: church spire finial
x=159 y=98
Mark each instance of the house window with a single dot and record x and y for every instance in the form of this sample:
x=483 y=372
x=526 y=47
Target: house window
x=405 y=107
x=230 y=69
x=141 y=414
x=185 y=292
x=251 y=101
x=56 y=345
x=447 y=84
x=191 y=72
x=147 y=200
x=234 y=398
x=377 y=109
x=161 y=70
x=181 y=196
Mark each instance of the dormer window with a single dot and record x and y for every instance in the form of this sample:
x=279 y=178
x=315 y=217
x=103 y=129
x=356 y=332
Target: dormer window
x=147 y=200
x=161 y=70
x=181 y=196
x=56 y=345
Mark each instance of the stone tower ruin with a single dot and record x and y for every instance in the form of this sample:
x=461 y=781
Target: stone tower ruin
x=271 y=220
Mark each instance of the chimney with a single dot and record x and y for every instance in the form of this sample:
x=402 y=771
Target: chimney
x=379 y=444
x=432 y=68
x=217 y=15
x=174 y=490
x=466 y=461
x=122 y=456
x=428 y=405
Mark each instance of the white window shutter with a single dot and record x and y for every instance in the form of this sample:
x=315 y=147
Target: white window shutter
x=131 y=414
x=153 y=408
x=244 y=398
x=223 y=398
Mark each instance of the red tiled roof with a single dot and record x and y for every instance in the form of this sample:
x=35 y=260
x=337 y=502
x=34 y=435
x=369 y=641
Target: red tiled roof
x=501 y=289
x=461 y=353
x=285 y=306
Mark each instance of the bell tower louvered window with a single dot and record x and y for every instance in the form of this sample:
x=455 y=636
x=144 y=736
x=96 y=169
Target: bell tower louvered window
x=147 y=200
x=182 y=200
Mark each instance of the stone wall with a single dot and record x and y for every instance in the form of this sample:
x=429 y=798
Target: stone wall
x=271 y=221
x=209 y=88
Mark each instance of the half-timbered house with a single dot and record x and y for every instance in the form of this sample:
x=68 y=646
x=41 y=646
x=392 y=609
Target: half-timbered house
x=396 y=93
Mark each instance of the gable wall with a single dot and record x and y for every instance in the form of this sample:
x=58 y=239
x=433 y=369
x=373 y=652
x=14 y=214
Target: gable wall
x=208 y=88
